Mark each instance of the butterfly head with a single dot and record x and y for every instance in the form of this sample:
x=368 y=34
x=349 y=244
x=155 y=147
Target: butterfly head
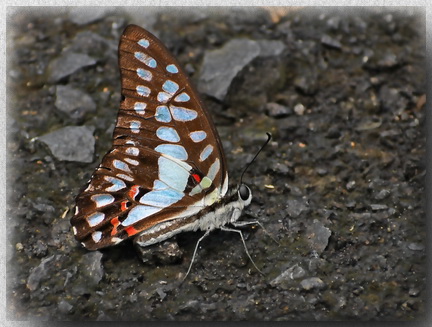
x=244 y=194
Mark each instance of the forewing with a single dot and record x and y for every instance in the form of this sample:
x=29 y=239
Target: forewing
x=167 y=160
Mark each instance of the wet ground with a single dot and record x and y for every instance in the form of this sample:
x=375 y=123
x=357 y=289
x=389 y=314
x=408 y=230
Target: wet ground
x=341 y=186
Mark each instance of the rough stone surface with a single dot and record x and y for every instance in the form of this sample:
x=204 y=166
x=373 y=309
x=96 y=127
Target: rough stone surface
x=220 y=66
x=352 y=160
x=87 y=15
x=67 y=64
x=318 y=236
x=73 y=102
x=71 y=143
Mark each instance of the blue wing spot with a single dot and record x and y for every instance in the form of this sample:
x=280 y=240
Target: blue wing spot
x=121 y=165
x=138 y=213
x=96 y=236
x=144 y=43
x=117 y=184
x=149 y=61
x=172 y=69
x=167 y=134
x=183 y=114
x=140 y=107
x=206 y=152
x=102 y=200
x=182 y=97
x=173 y=174
x=163 y=97
x=173 y=150
x=95 y=219
x=132 y=151
x=135 y=126
x=162 y=114
x=143 y=90
x=144 y=74
x=197 y=136
x=162 y=198
x=170 y=87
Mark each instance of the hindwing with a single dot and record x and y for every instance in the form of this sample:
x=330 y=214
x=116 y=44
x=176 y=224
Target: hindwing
x=166 y=161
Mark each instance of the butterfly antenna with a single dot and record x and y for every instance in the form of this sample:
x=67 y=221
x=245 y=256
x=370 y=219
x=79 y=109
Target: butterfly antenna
x=269 y=137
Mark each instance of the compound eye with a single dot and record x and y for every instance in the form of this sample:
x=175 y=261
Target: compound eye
x=244 y=192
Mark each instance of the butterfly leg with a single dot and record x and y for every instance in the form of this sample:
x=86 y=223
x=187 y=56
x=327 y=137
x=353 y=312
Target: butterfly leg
x=227 y=229
x=254 y=222
x=195 y=251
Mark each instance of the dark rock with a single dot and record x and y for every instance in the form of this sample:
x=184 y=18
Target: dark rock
x=306 y=83
x=277 y=110
x=270 y=48
x=378 y=207
x=294 y=272
x=42 y=272
x=382 y=194
x=71 y=143
x=312 y=283
x=296 y=207
x=40 y=249
x=67 y=64
x=220 y=66
x=94 y=45
x=167 y=252
x=350 y=185
x=416 y=247
x=91 y=269
x=368 y=124
x=299 y=109
x=64 y=306
x=73 y=102
x=87 y=15
x=330 y=42
x=318 y=236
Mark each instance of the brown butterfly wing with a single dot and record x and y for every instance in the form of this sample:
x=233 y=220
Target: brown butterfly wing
x=167 y=160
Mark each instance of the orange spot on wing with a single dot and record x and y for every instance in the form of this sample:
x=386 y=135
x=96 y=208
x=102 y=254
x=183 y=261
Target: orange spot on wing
x=130 y=230
x=196 y=177
x=115 y=222
x=124 y=205
x=134 y=191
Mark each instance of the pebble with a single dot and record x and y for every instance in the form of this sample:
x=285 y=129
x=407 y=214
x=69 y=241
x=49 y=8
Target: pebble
x=71 y=143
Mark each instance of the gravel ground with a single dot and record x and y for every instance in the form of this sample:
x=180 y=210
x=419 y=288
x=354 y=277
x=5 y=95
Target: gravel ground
x=341 y=185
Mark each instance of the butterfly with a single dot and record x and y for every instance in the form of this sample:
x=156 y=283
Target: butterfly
x=166 y=172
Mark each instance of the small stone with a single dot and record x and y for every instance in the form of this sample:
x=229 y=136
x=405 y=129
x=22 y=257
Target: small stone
x=93 y=270
x=299 y=109
x=296 y=207
x=84 y=16
x=378 y=207
x=220 y=66
x=350 y=185
x=414 y=292
x=41 y=272
x=318 y=236
x=277 y=110
x=73 y=102
x=312 y=283
x=71 y=143
x=19 y=247
x=67 y=64
x=269 y=48
x=321 y=171
x=330 y=42
x=167 y=252
x=292 y=273
x=416 y=247
x=64 y=306
x=382 y=194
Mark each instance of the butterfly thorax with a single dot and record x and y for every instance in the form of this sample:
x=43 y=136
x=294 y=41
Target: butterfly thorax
x=220 y=213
